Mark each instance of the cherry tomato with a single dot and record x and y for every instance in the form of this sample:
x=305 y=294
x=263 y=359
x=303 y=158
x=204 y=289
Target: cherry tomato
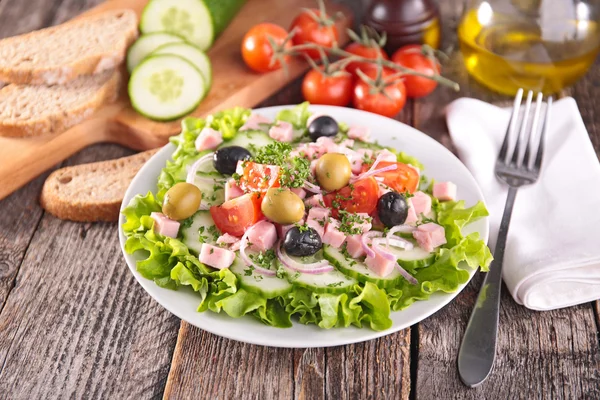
x=360 y=49
x=334 y=90
x=236 y=215
x=310 y=31
x=411 y=57
x=256 y=49
x=379 y=103
x=258 y=177
x=404 y=178
x=359 y=197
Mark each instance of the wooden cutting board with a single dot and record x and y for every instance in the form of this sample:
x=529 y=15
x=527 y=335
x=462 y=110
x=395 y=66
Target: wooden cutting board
x=22 y=159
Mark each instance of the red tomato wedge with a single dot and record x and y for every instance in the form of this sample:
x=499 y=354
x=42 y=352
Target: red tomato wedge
x=359 y=197
x=404 y=178
x=258 y=177
x=237 y=215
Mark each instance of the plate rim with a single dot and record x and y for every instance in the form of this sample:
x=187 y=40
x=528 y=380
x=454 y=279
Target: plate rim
x=368 y=334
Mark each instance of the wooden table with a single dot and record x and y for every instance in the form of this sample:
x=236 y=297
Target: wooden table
x=75 y=324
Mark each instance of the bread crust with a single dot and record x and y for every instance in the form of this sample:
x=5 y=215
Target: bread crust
x=66 y=193
x=92 y=64
x=65 y=119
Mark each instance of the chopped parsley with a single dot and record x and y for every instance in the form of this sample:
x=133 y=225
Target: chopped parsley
x=302 y=227
x=335 y=284
x=264 y=259
x=248 y=271
x=293 y=170
x=350 y=223
x=186 y=223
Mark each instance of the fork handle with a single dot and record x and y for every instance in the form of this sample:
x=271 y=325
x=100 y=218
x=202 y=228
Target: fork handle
x=478 y=348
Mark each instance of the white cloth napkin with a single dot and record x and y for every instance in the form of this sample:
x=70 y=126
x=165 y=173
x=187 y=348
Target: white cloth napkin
x=552 y=257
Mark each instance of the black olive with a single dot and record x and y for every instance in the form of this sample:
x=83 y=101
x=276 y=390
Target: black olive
x=226 y=159
x=302 y=242
x=392 y=209
x=322 y=126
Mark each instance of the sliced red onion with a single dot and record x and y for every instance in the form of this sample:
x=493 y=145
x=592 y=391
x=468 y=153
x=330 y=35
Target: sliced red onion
x=372 y=172
x=191 y=175
x=384 y=252
x=364 y=241
x=319 y=267
x=411 y=279
x=204 y=207
x=401 y=229
x=247 y=260
x=399 y=242
x=311 y=187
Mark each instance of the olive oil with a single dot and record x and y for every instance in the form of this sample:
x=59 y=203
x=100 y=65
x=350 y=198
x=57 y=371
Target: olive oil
x=505 y=52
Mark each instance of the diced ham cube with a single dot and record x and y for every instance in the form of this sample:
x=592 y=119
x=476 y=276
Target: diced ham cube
x=315 y=201
x=386 y=155
x=164 y=225
x=313 y=167
x=262 y=236
x=421 y=202
x=318 y=218
x=227 y=239
x=282 y=131
x=347 y=143
x=412 y=218
x=354 y=247
x=365 y=225
x=333 y=236
x=208 y=139
x=313 y=117
x=216 y=257
x=232 y=190
x=299 y=192
x=367 y=152
x=359 y=132
x=327 y=145
x=254 y=121
x=380 y=265
x=444 y=191
x=429 y=236
x=283 y=229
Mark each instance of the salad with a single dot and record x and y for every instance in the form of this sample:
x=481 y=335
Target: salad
x=301 y=218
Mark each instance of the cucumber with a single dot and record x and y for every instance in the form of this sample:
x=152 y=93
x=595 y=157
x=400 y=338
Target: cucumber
x=251 y=140
x=333 y=282
x=146 y=44
x=414 y=259
x=267 y=286
x=193 y=55
x=359 y=270
x=213 y=191
x=197 y=21
x=201 y=230
x=166 y=87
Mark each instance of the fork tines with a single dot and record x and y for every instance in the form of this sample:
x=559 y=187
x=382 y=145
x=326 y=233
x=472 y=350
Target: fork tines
x=517 y=157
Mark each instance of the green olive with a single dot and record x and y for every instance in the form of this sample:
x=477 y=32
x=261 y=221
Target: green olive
x=333 y=171
x=282 y=206
x=181 y=201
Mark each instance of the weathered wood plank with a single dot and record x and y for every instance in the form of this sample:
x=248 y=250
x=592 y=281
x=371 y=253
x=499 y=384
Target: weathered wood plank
x=543 y=355
x=206 y=366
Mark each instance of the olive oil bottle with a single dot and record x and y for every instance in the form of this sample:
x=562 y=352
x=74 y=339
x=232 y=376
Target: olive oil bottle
x=512 y=44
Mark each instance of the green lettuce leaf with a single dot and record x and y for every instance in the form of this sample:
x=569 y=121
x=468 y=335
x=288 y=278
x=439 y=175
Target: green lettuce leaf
x=297 y=116
x=453 y=216
x=228 y=122
x=406 y=159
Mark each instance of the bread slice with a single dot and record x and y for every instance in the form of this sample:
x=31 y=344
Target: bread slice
x=31 y=110
x=60 y=54
x=91 y=192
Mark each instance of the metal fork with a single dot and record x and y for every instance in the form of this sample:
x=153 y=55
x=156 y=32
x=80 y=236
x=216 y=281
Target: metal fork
x=516 y=169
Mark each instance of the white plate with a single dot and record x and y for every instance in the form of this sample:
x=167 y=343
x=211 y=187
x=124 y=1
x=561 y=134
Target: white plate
x=440 y=164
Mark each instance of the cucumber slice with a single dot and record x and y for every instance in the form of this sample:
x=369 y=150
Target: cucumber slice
x=201 y=230
x=165 y=87
x=359 y=270
x=333 y=282
x=146 y=44
x=251 y=140
x=193 y=55
x=213 y=191
x=267 y=286
x=414 y=259
x=197 y=21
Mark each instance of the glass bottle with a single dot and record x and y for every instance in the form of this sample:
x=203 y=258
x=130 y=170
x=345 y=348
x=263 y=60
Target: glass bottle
x=543 y=45
x=405 y=22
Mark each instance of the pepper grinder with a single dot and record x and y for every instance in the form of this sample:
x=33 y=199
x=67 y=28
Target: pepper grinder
x=405 y=22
